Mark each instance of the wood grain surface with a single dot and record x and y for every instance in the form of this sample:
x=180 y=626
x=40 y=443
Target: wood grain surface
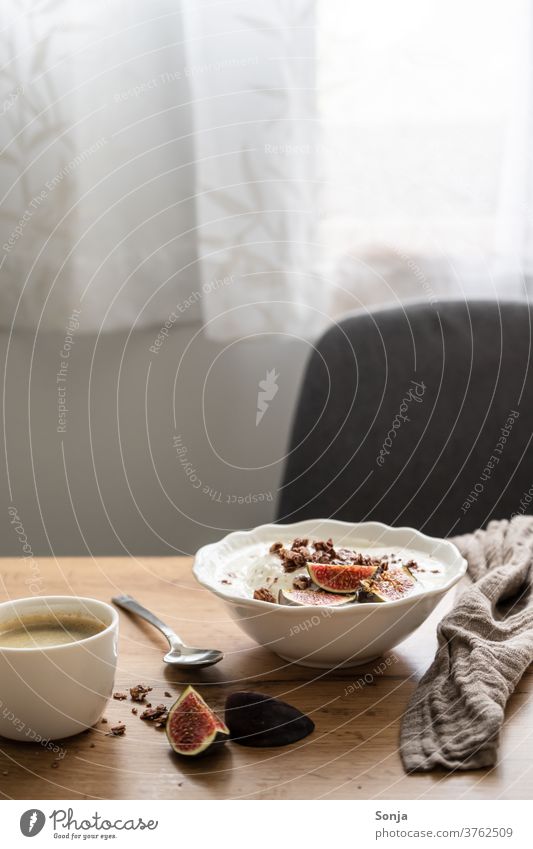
x=353 y=753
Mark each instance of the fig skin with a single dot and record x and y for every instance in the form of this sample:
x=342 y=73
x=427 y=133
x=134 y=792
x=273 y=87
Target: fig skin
x=314 y=598
x=261 y=721
x=193 y=711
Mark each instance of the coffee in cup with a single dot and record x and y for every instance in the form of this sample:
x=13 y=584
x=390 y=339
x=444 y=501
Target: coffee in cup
x=49 y=629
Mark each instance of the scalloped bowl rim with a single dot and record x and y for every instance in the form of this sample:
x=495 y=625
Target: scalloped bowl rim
x=205 y=551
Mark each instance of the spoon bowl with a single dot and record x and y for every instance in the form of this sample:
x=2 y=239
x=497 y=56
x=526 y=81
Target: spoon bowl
x=180 y=655
x=193 y=657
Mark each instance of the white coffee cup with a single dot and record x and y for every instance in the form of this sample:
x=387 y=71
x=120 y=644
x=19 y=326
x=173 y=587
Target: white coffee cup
x=57 y=691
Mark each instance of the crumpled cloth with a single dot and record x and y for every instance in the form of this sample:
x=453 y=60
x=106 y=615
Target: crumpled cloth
x=485 y=644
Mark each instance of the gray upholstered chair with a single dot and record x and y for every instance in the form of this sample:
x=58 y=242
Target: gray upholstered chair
x=419 y=415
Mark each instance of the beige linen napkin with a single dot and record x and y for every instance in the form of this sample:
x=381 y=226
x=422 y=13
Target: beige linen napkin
x=485 y=644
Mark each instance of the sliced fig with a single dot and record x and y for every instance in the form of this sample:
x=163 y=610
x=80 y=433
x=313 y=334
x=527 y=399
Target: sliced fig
x=313 y=598
x=339 y=578
x=407 y=571
x=192 y=727
x=390 y=586
x=263 y=721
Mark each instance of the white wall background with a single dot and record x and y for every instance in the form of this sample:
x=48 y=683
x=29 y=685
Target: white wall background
x=124 y=488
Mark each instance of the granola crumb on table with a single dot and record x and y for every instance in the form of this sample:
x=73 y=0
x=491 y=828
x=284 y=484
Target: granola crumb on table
x=138 y=692
x=117 y=730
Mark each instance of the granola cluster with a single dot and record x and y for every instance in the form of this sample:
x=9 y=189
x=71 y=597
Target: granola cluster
x=264 y=594
x=301 y=582
x=323 y=551
x=294 y=557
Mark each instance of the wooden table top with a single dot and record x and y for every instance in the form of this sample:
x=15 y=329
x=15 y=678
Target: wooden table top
x=353 y=753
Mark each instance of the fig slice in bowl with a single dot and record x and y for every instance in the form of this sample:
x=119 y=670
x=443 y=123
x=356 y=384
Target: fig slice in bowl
x=390 y=586
x=339 y=578
x=314 y=598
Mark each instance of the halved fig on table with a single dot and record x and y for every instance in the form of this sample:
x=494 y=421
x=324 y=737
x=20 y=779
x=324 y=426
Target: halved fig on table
x=192 y=727
x=339 y=578
x=262 y=721
x=390 y=585
x=313 y=598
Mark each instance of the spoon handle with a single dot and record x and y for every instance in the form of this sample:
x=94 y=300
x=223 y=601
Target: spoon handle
x=129 y=603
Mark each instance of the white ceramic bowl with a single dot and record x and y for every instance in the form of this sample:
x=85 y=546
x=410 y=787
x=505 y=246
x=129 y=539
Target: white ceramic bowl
x=344 y=636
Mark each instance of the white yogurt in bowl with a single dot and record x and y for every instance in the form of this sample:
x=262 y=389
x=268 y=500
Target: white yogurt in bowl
x=348 y=635
x=254 y=567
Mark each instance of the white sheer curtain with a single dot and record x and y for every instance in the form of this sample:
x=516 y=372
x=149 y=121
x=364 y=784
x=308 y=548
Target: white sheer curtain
x=260 y=165
x=426 y=110
x=256 y=154
x=97 y=177
x=154 y=163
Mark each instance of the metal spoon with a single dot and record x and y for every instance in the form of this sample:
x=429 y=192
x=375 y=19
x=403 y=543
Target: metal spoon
x=179 y=654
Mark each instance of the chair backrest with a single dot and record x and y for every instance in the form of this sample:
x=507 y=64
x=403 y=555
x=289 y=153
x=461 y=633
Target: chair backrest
x=420 y=415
